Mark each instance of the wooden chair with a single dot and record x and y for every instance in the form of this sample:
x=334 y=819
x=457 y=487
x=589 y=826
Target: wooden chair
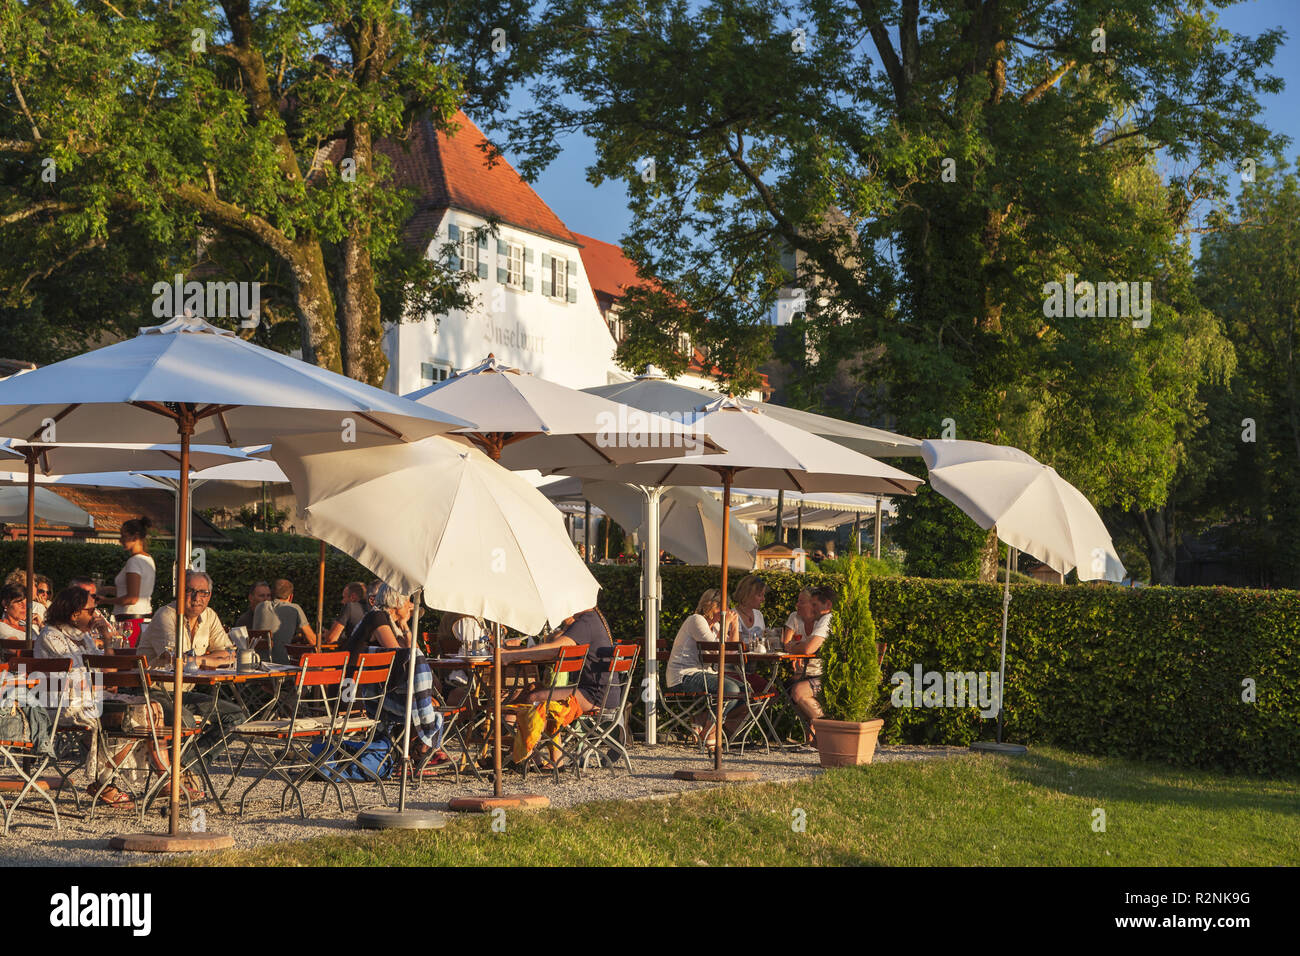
x=15 y=647
x=572 y=659
x=19 y=752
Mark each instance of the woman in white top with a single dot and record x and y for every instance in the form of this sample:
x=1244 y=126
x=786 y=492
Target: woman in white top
x=13 y=605
x=133 y=587
x=750 y=593
x=686 y=674
x=69 y=633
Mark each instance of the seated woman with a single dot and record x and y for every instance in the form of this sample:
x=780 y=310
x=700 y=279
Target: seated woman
x=13 y=605
x=387 y=627
x=686 y=674
x=805 y=630
x=69 y=632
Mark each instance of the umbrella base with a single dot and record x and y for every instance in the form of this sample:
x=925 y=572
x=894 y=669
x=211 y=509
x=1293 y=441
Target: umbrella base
x=989 y=746
x=386 y=818
x=506 y=800
x=171 y=842
x=717 y=776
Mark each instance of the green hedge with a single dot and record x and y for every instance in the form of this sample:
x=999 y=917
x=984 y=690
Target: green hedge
x=1150 y=673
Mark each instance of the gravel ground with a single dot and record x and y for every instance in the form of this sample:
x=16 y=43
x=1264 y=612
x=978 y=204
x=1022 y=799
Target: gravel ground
x=33 y=841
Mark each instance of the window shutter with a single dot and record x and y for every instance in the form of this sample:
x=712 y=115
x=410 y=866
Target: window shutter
x=546 y=260
x=482 y=270
x=482 y=240
x=528 y=283
x=454 y=262
x=528 y=254
x=502 y=275
x=570 y=275
x=546 y=282
x=503 y=247
x=453 y=232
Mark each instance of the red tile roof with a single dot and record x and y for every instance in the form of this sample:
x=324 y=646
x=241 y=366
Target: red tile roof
x=458 y=170
x=112 y=506
x=609 y=271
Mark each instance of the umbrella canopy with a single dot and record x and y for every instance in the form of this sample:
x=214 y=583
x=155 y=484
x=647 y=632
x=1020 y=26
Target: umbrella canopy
x=690 y=522
x=75 y=458
x=477 y=538
x=1035 y=509
x=652 y=392
x=764 y=453
x=243 y=394
x=526 y=422
x=50 y=508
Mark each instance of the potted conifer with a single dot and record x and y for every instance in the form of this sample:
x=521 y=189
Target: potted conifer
x=851 y=691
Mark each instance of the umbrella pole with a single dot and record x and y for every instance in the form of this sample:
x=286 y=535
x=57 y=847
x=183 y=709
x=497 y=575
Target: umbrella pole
x=410 y=698
x=31 y=538
x=1002 y=667
x=320 y=600
x=717 y=773
x=876 y=541
x=586 y=533
x=650 y=597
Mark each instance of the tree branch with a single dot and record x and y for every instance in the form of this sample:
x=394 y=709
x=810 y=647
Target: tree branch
x=1047 y=83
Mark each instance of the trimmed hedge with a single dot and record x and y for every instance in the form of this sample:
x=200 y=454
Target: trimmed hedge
x=1150 y=673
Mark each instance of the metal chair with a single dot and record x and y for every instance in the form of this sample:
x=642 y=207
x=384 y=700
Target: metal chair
x=597 y=728
x=754 y=702
x=357 y=721
x=572 y=658
x=678 y=706
x=13 y=687
x=284 y=745
x=70 y=738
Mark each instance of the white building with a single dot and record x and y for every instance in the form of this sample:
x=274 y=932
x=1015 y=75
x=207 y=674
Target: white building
x=545 y=297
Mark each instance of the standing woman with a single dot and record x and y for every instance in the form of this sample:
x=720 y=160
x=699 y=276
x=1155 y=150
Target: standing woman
x=133 y=586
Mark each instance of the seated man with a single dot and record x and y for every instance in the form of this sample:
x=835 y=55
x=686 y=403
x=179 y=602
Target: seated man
x=805 y=630
x=258 y=617
x=594 y=688
x=355 y=606
x=202 y=634
x=290 y=619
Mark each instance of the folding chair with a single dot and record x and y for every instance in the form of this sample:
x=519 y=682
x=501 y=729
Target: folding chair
x=597 y=728
x=284 y=745
x=130 y=674
x=18 y=752
x=70 y=738
x=678 y=707
x=455 y=722
x=357 y=722
x=754 y=702
x=571 y=660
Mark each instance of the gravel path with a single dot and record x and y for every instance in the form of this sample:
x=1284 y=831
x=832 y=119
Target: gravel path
x=33 y=841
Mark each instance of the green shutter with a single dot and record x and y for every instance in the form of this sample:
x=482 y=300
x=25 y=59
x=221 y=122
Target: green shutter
x=453 y=232
x=502 y=275
x=482 y=270
x=453 y=262
x=528 y=254
x=528 y=283
x=503 y=247
x=573 y=292
x=546 y=260
x=571 y=278
x=482 y=240
x=546 y=283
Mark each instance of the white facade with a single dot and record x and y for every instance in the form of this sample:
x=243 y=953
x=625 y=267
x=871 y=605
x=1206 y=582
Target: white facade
x=519 y=316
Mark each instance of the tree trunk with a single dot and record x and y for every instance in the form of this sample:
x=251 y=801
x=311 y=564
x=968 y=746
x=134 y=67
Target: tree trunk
x=315 y=305
x=988 y=568
x=359 y=319
x=1157 y=527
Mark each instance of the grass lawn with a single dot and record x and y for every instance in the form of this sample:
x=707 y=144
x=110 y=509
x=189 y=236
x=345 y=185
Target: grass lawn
x=966 y=810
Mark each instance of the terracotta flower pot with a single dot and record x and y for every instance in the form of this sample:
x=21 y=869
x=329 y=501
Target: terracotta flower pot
x=844 y=743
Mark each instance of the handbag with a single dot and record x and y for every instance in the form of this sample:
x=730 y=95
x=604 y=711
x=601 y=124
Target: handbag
x=141 y=717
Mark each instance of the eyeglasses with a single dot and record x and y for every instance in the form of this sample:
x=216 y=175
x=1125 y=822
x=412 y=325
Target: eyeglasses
x=195 y=592
x=42 y=590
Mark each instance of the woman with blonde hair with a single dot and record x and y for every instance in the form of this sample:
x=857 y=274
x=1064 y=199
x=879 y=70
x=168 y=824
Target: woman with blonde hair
x=686 y=673
x=749 y=598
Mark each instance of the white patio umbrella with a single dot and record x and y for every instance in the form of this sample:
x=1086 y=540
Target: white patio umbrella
x=47 y=506
x=1034 y=509
x=76 y=457
x=690 y=522
x=767 y=454
x=443 y=517
x=526 y=422
x=190 y=379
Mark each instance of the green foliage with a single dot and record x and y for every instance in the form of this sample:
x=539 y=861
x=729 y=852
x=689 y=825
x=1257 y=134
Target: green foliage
x=886 y=567
x=1148 y=673
x=851 y=672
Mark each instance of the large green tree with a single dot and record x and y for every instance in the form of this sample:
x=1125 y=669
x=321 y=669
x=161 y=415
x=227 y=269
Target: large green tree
x=139 y=139
x=931 y=168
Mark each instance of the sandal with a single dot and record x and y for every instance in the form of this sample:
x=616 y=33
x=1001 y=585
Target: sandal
x=192 y=786
x=110 y=796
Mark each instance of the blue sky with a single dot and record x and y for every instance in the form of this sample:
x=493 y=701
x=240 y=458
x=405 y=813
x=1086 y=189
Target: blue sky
x=602 y=211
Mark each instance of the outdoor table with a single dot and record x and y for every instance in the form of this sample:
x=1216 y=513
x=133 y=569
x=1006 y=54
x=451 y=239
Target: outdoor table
x=775 y=682
x=218 y=678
